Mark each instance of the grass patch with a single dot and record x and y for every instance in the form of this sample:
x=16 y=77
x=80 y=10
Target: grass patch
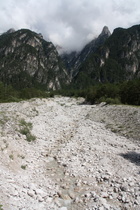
x=25 y=129
x=3 y=118
x=1 y=207
x=11 y=157
x=25 y=124
x=23 y=167
x=21 y=156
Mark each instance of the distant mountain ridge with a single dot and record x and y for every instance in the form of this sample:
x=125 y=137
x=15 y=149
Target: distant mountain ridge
x=27 y=60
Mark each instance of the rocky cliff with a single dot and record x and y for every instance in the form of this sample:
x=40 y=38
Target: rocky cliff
x=124 y=48
x=27 y=60
x=116 y=59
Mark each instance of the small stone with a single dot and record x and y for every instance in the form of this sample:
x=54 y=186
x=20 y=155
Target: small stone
x=124 y=188
x=87 y=195
x=49 y=199
x=40 y=192
x=104 y=195
x=32 y=186
x=136 y=202
x=66 y=173
x=76 y=189
x=78 y=183
x=124 y=199
x=14 y=192
x=64 y=196
x=101 y=208
x=39 y=198
x=31 y=193
x=57 y=202
x=96 y=198
x=105 y=177
x=78 y=200
x=131 y=184
x=71 y=194
x=116 y=189
x=63 y=208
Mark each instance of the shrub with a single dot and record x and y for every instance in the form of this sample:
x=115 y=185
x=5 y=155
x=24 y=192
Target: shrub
x=25 y=130
x=130 y=92
x=23 y=167
x=1 y=207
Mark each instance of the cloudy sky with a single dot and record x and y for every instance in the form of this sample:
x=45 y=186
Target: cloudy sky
x=68 y=23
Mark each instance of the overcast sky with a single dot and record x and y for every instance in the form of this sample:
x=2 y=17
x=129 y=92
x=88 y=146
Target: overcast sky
x=68 y=23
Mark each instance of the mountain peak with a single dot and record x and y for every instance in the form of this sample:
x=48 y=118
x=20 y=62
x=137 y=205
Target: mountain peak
x=11 y=30
x=105 y=31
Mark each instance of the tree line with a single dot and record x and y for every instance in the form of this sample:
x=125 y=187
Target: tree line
x=127 y=92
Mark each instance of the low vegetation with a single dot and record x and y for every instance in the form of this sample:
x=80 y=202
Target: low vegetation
x=25 y=129
x=10 y=94
x=121 y=93
x=127 y=92
x=1 y=207
x=23 y=167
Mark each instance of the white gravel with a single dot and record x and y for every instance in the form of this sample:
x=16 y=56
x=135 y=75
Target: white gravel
x=75 y=163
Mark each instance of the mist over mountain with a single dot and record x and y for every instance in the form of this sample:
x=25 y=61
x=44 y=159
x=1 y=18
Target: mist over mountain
x=68 y=23
x=75 y=59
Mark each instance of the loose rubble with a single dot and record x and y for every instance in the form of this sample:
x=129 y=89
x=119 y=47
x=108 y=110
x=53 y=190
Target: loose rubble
x=75 y=163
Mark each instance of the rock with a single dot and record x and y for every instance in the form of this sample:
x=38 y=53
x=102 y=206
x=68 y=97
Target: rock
x=39 y=198
x=40 y=192
x=14 y=192
x=57 y=202
x=138 y=200
x=71 y=194
x=103 y=104
x=104 y=195
x=131 y=184
x=30 y=193
x=32 y=186
x=64 y=196
x=124 y=188
x=88 y=195
x=124 y=199
x=78 y=183
x=105 y=177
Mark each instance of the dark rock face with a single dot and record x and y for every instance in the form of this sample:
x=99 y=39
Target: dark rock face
x=108 y=58
x=27 y=60
x=124 y=47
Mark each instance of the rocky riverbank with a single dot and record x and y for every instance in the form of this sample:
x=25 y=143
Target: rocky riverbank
x=59 y=154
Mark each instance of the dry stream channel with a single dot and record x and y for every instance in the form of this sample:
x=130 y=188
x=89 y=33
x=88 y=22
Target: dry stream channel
x=61 y=154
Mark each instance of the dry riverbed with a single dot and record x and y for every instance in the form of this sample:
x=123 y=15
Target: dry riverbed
x=60 y=154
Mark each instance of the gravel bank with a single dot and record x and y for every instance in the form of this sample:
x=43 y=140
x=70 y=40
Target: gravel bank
x=76 y=161
x=121 y=119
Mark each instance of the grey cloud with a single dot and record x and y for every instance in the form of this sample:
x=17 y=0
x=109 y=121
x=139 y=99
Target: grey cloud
x=68 y=23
